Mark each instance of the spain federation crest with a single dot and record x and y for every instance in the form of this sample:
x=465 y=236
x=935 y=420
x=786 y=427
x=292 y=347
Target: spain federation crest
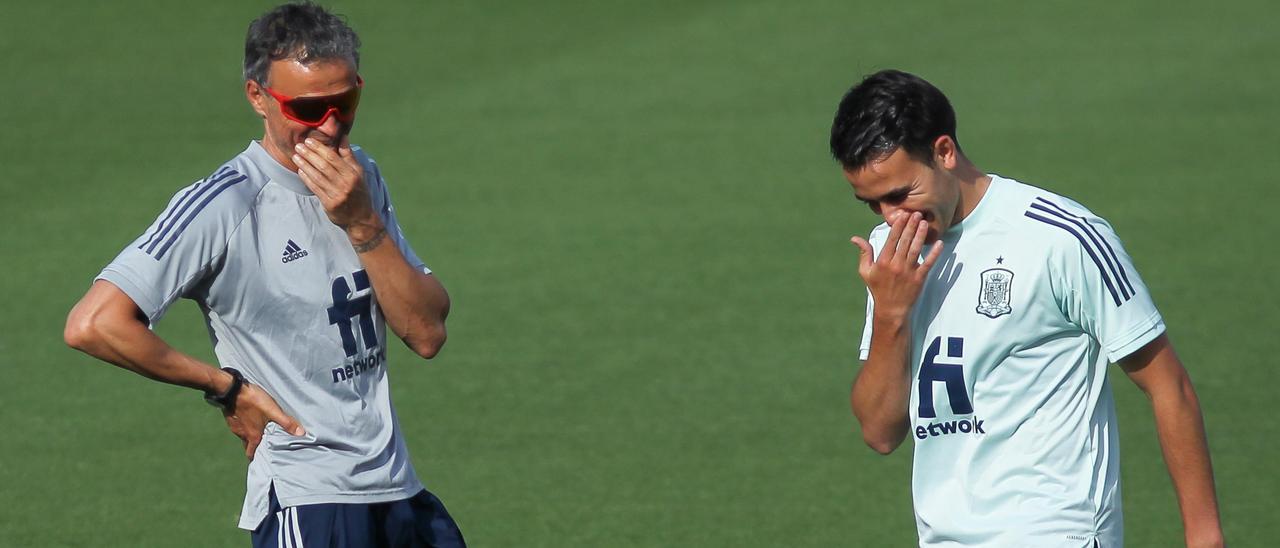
x=993 y=298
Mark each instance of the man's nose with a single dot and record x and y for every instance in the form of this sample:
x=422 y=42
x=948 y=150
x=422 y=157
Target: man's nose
x=331 y=127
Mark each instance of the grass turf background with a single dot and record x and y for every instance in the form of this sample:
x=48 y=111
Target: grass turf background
x=655 y=305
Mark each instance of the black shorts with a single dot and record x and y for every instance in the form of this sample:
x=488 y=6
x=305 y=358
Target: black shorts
x=417 y=522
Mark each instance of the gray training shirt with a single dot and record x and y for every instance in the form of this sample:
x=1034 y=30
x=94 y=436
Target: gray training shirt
x=288 y=303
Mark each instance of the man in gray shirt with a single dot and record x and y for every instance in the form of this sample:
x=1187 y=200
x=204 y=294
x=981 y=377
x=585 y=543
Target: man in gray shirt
x=294 y=255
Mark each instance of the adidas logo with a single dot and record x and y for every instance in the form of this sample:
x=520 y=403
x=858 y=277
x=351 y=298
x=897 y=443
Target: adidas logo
x=292 y=252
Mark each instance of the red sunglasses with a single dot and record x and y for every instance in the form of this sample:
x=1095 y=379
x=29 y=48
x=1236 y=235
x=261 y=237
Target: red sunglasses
x=313 y=111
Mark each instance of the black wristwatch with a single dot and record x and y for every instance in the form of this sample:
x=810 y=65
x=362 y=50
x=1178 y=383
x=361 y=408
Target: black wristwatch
x=226 y=401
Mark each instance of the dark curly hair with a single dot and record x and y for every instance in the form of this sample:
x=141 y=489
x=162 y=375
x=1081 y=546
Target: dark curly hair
x=302 y=31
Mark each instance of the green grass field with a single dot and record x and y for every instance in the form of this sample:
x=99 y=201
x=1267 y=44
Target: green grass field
x=656 y=309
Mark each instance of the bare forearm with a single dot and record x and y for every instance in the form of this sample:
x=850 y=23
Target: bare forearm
x=414 y=304
x=881 y=393
x=1186 y=453
x=103 y=328
x=894 y=279
x=107 y=325
x=1156 y=369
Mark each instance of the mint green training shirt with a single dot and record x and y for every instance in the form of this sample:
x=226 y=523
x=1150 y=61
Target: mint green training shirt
x=1011 y=411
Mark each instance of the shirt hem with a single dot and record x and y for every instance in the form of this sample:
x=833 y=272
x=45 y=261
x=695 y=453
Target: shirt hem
x=1153 y=327
x=133 y=290
x=249 y=523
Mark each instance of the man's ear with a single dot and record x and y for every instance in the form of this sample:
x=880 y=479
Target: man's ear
x=946 y=153
x=257 y=97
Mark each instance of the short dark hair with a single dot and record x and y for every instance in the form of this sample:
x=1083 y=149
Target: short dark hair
x=302 y=31
x=889 y=110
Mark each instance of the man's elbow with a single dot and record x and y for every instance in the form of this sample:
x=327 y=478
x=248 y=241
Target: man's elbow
x=882 y=446
x=883 y=439
x=881 y=435
x=429 y=345
x=96 y=323
x=82 y=331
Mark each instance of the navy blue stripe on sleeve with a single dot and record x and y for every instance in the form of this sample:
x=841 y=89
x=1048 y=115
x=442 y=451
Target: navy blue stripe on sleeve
x=185 y=202
x=1084 y=243
x=195 y=212
x=160 y=227
x=1124 y=276
x=1099 y=243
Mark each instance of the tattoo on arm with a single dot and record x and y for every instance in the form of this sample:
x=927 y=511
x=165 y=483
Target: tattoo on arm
x=371 y=243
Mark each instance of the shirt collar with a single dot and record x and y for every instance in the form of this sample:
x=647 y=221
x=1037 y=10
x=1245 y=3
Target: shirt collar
x=274 y=171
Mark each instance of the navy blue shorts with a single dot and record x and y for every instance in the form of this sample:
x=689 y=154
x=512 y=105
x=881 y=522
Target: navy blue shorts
x=417 y=522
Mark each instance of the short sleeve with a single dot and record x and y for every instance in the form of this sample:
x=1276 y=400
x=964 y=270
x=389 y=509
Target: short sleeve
x=1103 y=294
x=180 y=249
x=382 y=201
